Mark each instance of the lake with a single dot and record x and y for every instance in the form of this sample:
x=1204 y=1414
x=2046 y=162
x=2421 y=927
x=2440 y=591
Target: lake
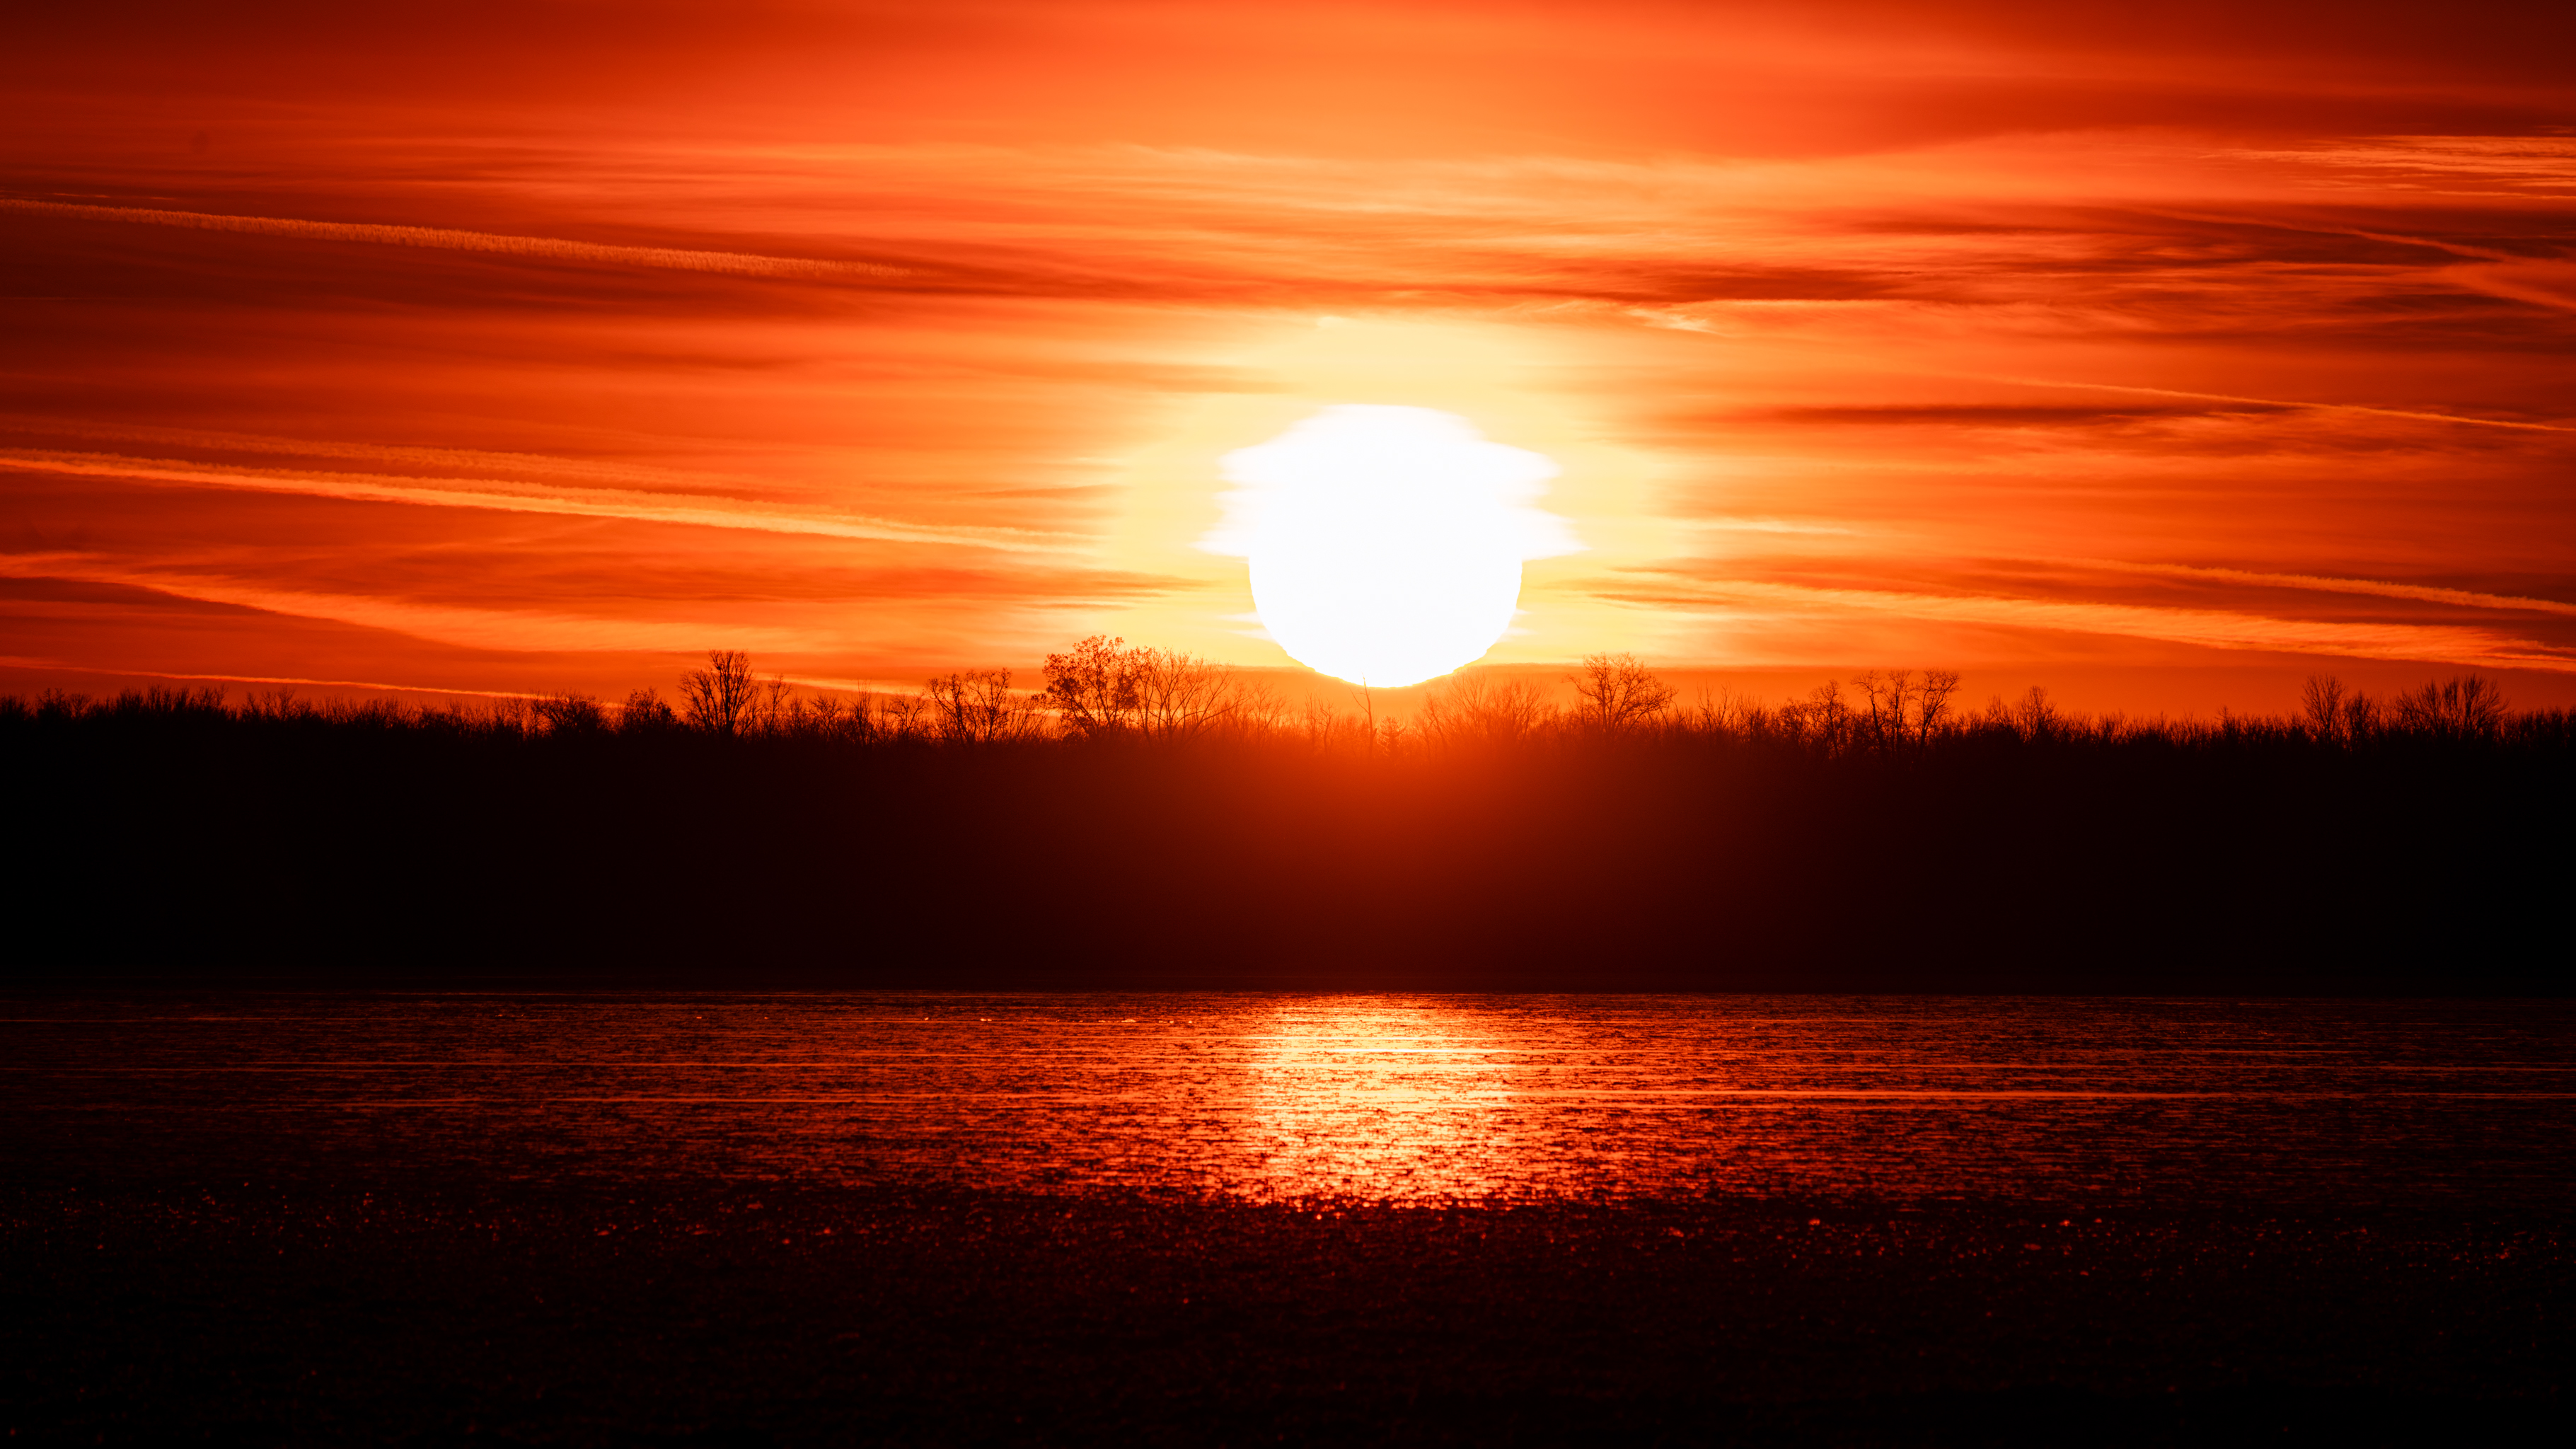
x=2353 y=1105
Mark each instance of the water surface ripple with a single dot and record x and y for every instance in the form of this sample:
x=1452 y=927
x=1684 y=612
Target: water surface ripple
x=1311 y=1098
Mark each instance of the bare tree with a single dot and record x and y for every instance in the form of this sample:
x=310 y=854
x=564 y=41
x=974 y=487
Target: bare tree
x=567 y=714
x=1092 y=687
x=1885 y=695
x=903 y=717
x=720 y=695
x=1932 y=703
x=1104 y=685
x=2035 y=718
x=1473 y=709
x=1323 y=727
x=2321 y=700
x=976 y=706
x=1823 y=718
x=2466 y=707
x=1722 y=712
x=1618 y=692
x=1181 y=696
x=773 y=708
x=645 y=710
x=821 y=717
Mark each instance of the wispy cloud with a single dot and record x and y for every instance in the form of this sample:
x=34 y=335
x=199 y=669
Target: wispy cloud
x=513 y=630
x=505 y=497
x=2208 y=628
x=2464 y=598
x=540 y=465
x=737 y=264
x=2287 y=404
x=371 y=686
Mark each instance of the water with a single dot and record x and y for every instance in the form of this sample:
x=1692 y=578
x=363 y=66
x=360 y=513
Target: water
x=1411 y=1099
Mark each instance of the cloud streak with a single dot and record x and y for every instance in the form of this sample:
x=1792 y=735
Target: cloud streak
x=510 y=630
x=2289 y=404
x=2208 y=628
x=553 y=249
x=677 y=509
x=2462 y=598
x=371 y=686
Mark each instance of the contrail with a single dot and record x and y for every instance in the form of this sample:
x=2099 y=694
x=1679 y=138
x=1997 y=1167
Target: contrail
x=2313 y=229
x=544 y=465
x=2439 y=644
x=2321 y=584
x=505 y=629
x=2272 y=402
x=498 y=495
x=739 y=264
x=20 y=661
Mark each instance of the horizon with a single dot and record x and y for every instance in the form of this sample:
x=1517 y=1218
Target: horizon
x=2181 y=697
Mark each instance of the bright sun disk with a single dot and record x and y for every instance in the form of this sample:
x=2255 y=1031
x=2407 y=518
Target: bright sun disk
x=1386 y=542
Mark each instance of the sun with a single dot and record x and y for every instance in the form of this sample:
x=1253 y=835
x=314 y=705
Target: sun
x=1386 y=542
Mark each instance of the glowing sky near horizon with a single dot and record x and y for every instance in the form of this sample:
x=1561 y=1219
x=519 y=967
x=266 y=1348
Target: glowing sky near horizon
x=491 y=348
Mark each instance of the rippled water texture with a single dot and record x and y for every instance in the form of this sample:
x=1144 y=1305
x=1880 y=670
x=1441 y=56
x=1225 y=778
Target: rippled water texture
x=1270 y=1098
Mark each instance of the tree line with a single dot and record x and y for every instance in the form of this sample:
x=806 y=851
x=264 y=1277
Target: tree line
x=1105 y=689
x=1142 y=817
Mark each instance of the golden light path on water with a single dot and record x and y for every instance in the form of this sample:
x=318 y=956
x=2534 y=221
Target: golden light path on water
x=1391 y=1102
x=1350 y=1099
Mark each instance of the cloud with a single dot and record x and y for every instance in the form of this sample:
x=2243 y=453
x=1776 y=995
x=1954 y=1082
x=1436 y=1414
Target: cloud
x=19 y=661
x=735 y=264
x=2207 y=628
x=502 y=496
x=2542 y=283
x=512 y=630
x=2463 y=598
x=2278 y=404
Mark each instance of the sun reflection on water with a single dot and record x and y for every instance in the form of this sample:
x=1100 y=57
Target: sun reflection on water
x=1379 y=1099
x=1327 y=1100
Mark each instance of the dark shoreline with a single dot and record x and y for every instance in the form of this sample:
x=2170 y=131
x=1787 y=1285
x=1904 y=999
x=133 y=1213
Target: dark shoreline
x=354 y=1219
x=209 y=847
x=777 y=1313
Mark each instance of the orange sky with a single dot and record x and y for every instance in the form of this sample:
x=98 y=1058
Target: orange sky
x=520 y=347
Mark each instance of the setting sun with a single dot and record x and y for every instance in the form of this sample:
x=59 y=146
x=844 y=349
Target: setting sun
x=1386 y=542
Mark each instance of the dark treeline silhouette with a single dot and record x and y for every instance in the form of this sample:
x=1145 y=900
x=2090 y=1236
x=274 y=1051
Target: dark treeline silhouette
x=1146 y=818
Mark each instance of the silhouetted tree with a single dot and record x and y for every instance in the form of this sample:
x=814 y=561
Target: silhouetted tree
x=976 y=706
x=1618 y=692
x=1104 y=685
x=2033 y=717
x=644 y=710
x=1182 y=696
x=1092 y=687
x=2462 y=708
x=1823 y=719
x=1883 y=719
x=1472 y=708
x=2321 y=702
x=903 y=717
x=1932 y=703
x=564 y=714
x=720 y=695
